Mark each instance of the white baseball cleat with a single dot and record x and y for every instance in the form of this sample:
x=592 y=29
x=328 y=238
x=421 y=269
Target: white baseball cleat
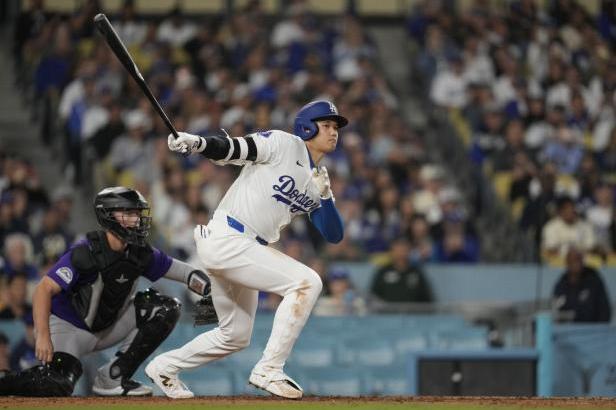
x=104 y=386
x=169 y=383
x=278 y=384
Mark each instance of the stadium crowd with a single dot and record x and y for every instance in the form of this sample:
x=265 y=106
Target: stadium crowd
x=241 y=73
x=533 y=89
x=536 y=87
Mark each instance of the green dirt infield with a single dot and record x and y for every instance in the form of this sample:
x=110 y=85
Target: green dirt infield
x=319 y=403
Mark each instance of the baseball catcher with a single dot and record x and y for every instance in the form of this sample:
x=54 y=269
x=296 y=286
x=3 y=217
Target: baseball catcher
x=88 y=302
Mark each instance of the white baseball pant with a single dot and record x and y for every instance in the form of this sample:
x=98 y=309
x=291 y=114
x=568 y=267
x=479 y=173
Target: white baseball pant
x=239 y=267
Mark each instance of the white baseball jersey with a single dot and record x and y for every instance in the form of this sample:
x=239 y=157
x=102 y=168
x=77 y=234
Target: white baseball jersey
x=274 y=188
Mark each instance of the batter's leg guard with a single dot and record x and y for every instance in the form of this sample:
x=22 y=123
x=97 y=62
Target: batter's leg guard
x=156 y=316
x=55 y=379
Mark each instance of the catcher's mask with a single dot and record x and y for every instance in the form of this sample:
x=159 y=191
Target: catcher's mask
x=119 y=198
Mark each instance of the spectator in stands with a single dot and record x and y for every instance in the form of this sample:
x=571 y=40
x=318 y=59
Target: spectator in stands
x=131 y=30
x=10 y=224
x=580 y=295
x=62 y=202
x=14 y=305
x=488 y=139
x=18 y=257
x=28 y=26
x=567 y=230
x=504 y=157
x=541 y=203
x=5 y=353
x=74 y=126
x=23 y=355
x=601 y=215
x=401 y=281
x=458 y=244
x=425 y=200
x=342 y=299
x=422 y=244
x=175 y=30
x=131 y=153
x=564 y=150
x=449 y=86
x=52 y=238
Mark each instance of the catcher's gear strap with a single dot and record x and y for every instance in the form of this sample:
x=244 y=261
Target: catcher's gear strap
x=199 y=283
x=99 y=302
x=156 y=316
x=56 y=379
x=226 y=148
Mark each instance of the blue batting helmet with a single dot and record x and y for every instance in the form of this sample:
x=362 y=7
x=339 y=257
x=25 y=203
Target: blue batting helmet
x=305 y=125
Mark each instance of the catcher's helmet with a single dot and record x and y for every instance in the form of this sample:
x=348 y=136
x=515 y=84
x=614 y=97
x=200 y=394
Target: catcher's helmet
x=119 y=198
x=305 y=125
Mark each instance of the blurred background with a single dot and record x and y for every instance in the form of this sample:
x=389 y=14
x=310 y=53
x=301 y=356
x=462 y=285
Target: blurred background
x=476 y=178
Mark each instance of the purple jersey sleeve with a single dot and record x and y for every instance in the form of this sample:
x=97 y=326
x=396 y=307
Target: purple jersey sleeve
x=159 y=266
x=63 y=272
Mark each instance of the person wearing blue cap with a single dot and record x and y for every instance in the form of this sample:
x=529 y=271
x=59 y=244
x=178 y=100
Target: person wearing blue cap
x=281 y=179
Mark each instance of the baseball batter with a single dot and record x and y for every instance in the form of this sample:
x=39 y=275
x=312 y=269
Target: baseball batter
x=280 y=180
x=87 y=302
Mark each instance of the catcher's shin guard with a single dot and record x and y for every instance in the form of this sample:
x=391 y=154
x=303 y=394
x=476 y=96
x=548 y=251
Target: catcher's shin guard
x=156 y=316
x=57 y=378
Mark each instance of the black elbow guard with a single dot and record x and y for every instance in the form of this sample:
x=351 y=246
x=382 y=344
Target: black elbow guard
x=216 y=148
x=199 y=283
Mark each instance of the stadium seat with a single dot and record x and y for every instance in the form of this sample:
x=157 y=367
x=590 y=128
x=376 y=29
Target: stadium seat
x=390 y=380
x=332 y=381
x=366 y=352
x=313 y=351
x=210 y=381
x=502 y=185
x=407 y=340
x=471 y=338
x=14 y=330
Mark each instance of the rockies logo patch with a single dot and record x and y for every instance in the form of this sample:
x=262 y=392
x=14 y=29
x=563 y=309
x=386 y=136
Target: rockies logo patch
x=66 y=274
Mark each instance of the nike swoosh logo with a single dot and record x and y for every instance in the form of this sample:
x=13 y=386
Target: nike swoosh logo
x=299 y=163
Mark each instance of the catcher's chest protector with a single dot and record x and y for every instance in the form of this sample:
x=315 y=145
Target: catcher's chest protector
x=99 y=301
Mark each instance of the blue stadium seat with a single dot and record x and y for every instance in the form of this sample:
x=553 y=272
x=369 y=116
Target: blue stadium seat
x=332 y=381
x=14 y=330
x=390 y=380
x=470 y=338
x=433 y=322
x=210 y=381
x=313 y=351
x=366 y=352
x=408 y=340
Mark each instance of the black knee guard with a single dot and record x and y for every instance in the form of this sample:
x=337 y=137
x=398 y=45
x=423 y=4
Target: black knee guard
x=156 y=317
x=56 y=378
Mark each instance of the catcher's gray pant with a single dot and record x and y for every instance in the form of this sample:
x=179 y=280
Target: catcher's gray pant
x=68 y=338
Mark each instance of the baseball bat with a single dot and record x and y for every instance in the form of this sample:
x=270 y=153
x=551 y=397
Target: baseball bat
x=115 y=44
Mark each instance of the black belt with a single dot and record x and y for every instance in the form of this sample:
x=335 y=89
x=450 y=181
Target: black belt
x=238 y=226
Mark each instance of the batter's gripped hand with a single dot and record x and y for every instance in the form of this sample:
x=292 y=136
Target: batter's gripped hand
x=186 y=143
x=320 y=177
